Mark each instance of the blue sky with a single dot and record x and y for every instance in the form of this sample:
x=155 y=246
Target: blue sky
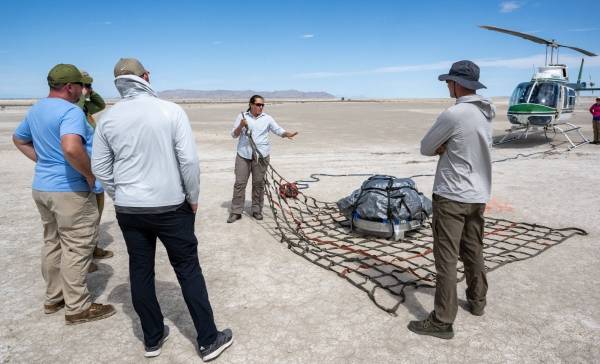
x=349 y=48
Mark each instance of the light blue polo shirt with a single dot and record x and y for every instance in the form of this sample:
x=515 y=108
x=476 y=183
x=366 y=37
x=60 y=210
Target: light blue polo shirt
x=45 y=124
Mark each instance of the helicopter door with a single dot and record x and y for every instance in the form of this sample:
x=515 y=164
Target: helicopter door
x=562 y=100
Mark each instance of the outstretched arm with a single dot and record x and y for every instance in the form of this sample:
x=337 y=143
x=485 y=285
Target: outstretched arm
x=289 y=134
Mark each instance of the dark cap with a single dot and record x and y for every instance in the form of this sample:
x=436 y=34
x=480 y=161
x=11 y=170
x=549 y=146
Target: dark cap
x=64 y=73
x=465 y=73
x=129 y=66
x=87 y=79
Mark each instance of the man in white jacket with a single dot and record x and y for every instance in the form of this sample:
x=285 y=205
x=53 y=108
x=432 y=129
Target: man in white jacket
x=461 y=136
x=144 y=153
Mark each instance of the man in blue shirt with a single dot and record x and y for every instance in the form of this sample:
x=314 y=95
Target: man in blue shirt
x=53 y=135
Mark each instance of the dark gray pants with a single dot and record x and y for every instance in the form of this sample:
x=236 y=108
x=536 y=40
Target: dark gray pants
x=243 y=169
x=457 y=231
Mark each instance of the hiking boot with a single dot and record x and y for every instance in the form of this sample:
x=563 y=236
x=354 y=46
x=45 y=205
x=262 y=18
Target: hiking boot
x=233 y=218
x=476 y=310
x=95 y=312
x=153 y=351
x=93 y=267
x=475 y=307
x=257 y=215
x=53 y=308
x=100 y=253
x=223 y=341
x=432 y=327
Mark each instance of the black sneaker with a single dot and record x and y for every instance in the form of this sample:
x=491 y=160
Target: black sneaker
x=223 y=341
x=257 y=215
x=432 y=327
x=154 y=351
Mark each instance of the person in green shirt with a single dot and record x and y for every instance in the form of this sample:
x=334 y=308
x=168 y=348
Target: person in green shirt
x=91 y=102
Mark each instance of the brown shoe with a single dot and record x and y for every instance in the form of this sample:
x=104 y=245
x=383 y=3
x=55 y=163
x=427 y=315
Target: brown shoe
x=94 y=313
x=100 y=253
x=93 y=267
x=53 y=308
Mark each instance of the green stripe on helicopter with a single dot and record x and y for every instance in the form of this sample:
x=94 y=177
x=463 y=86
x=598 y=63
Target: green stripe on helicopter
x=531 y=109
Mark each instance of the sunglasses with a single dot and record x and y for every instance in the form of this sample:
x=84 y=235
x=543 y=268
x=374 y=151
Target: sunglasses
x=259 y=105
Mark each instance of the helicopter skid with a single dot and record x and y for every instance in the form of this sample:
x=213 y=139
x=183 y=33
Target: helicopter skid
x=522 y=131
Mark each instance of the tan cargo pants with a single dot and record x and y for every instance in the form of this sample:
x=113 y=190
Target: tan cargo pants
x=243 y=169
x=70 y=221
x=457 y=231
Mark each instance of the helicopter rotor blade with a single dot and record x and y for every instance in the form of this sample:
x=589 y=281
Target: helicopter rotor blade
x=530 y=37
x=538 y=40
x=587 y=53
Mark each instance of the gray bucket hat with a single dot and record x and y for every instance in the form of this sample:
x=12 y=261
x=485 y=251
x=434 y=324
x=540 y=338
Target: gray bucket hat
x=465 y=73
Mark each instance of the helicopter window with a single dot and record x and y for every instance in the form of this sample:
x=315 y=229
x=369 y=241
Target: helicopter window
x=572 y=97
x=545 y=94
x=521 y=93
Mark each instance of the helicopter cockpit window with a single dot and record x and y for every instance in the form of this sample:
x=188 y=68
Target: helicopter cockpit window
x=521 y=93
x=545 y=94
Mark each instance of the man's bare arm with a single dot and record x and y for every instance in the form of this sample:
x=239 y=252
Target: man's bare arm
x=77 y=156
x=25 y=147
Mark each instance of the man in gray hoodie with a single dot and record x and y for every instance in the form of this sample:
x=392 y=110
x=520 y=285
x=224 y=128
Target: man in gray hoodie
x=144 y=153
x=461 y=136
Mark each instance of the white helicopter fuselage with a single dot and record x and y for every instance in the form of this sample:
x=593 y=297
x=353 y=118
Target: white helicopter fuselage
x=544 y=100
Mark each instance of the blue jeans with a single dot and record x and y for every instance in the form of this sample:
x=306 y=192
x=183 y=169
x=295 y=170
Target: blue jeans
x=175 y=230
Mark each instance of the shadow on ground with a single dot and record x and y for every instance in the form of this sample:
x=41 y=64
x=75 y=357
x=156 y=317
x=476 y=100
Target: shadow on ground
x=171 y=303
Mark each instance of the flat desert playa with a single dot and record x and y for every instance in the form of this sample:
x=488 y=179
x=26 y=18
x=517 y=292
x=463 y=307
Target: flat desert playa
x=283 y=308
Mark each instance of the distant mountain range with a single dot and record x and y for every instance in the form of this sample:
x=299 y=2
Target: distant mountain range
x=242 y=94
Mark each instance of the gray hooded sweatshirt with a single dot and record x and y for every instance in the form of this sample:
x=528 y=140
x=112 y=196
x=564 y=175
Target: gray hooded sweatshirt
x=464 y=170
x=144 y=152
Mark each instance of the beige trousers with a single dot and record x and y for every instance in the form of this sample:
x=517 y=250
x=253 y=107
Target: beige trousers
x=70 y=221
x=243 y=169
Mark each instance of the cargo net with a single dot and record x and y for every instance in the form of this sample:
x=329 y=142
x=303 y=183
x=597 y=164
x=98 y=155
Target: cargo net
x=382 y=268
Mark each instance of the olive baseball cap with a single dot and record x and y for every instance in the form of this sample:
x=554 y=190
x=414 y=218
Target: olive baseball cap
x=87 y=79
x=129 y=66
x=64 y=73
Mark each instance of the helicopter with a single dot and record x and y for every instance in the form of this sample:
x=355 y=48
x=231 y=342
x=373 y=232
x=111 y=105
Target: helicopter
x=548 y=100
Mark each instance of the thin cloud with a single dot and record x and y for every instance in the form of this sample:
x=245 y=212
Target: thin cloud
x=308 y=36
x=510 y=63
x=583 y=29
x=509 y=6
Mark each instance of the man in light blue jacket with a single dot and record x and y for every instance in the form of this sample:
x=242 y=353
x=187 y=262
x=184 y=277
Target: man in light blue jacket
x=461 y=136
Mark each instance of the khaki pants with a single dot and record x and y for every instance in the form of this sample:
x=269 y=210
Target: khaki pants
x=70 y=221
x=457 y=231
x=596 y=126
x=100 y=204
x=243 y=169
